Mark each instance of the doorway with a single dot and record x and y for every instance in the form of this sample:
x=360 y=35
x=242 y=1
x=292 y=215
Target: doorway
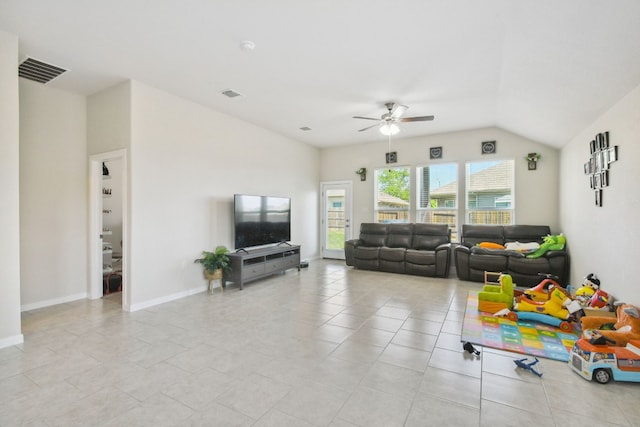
x=336 y=217
x=108 y=234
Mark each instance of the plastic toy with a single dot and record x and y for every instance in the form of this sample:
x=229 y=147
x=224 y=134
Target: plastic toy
x=540 y=292
x=494 y=298
x=603 y=363
x=469 y=348
x=563 y=325
x=589 y=286
x=550 y=243
x=619 y=330
x=554 y=306
x=529 y=366
x=599 y=299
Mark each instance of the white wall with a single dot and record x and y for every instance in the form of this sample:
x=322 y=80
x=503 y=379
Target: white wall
x=536 y=193
x=109 y=119
x=53 y=195
x=604 y=240
x=186 y=163
x=10 y=328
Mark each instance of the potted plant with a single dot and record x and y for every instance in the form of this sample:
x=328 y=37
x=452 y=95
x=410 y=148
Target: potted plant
x=214 y=263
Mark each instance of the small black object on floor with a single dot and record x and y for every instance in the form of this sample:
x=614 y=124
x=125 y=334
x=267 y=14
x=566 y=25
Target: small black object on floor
x=470 y=348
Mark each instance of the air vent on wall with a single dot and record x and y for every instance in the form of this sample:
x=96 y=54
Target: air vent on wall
x=39 y=71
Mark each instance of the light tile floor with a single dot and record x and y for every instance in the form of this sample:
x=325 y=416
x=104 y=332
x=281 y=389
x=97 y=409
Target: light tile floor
x=326 y=346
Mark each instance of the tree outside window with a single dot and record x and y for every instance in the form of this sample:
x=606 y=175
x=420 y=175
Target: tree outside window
x=393 y=188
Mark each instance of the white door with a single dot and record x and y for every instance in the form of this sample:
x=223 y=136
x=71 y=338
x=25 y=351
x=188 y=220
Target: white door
x=336 y=217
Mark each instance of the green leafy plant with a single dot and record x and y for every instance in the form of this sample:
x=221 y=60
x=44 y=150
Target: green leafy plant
x=216 y=260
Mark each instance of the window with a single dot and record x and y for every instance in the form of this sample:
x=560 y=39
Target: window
x=392 y=194
x=490 y=192
x=437 y=194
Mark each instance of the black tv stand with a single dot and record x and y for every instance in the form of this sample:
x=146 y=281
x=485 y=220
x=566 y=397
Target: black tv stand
x=284 y=243
x=253 y=264
x=241 y=250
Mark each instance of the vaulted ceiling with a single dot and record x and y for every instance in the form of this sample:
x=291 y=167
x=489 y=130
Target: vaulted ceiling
x=544 y=69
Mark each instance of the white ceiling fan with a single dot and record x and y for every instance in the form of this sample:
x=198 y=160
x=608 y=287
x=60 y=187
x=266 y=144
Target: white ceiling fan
x=387 y=122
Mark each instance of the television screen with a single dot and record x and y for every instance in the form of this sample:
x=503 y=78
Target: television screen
x=261 y=220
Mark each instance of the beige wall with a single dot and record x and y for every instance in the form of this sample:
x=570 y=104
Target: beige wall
x=53 y=195
x=186 y=162
x=604 y=240
x=536 y=192
x=10 y=330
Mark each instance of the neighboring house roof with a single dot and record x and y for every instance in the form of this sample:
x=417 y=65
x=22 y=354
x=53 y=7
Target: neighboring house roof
x=497 y=177
x=389 y=200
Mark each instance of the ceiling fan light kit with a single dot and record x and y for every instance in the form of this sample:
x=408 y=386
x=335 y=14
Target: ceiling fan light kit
x=389 y=129
x=388 y=121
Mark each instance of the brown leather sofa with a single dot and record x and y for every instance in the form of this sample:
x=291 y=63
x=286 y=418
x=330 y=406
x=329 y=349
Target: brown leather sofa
x=418 y=249
x=472 y=261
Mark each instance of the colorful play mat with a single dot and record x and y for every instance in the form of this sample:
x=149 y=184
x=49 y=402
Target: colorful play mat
x=523 y=336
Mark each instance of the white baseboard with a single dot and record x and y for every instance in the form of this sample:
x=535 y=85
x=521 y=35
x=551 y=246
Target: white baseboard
x=9 y=341
x=55 y=301
x=167 y=298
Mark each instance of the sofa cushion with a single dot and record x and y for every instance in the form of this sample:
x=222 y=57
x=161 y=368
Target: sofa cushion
x=525 y=233
x=366 y=252
x=430 y=236
x=497 y=263
x=373 y=234
x=473 y=234
x=399 y=235
x=420 y=257
x=392 y=254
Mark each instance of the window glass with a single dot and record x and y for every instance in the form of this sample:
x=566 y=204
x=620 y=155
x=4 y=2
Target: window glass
x=393 y=187
x=437 y=194
x=489 y=192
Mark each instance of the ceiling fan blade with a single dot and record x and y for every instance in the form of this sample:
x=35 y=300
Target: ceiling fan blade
x=369 y=127
x=366 y=118
x=417 y=119
x=398 y=110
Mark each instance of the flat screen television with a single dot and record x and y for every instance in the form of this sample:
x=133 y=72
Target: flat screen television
x=261 y=220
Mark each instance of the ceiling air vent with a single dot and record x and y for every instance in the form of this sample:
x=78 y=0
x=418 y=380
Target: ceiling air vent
x=231 y=93
x=38 y=71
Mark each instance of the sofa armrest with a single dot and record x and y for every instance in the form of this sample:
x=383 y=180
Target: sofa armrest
x=554 y=254
x=461 y=255
x=443 y=259
x=443 y=246
x=349 y=247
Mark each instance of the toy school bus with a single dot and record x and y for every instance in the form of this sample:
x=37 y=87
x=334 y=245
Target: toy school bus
x=604 y=363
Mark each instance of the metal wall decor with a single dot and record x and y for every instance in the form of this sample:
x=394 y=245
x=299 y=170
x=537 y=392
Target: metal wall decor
x=391 y=157
x=435 y=153
x=489 y=147
x=602 y=154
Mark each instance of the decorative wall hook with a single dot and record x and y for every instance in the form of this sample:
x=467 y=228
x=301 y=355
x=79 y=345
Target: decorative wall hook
x=532 y=160
x=363 y=174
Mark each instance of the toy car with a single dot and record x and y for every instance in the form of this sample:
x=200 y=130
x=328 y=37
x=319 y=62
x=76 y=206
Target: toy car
x=541 y=291
x=603 y=363
x=563 y=325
